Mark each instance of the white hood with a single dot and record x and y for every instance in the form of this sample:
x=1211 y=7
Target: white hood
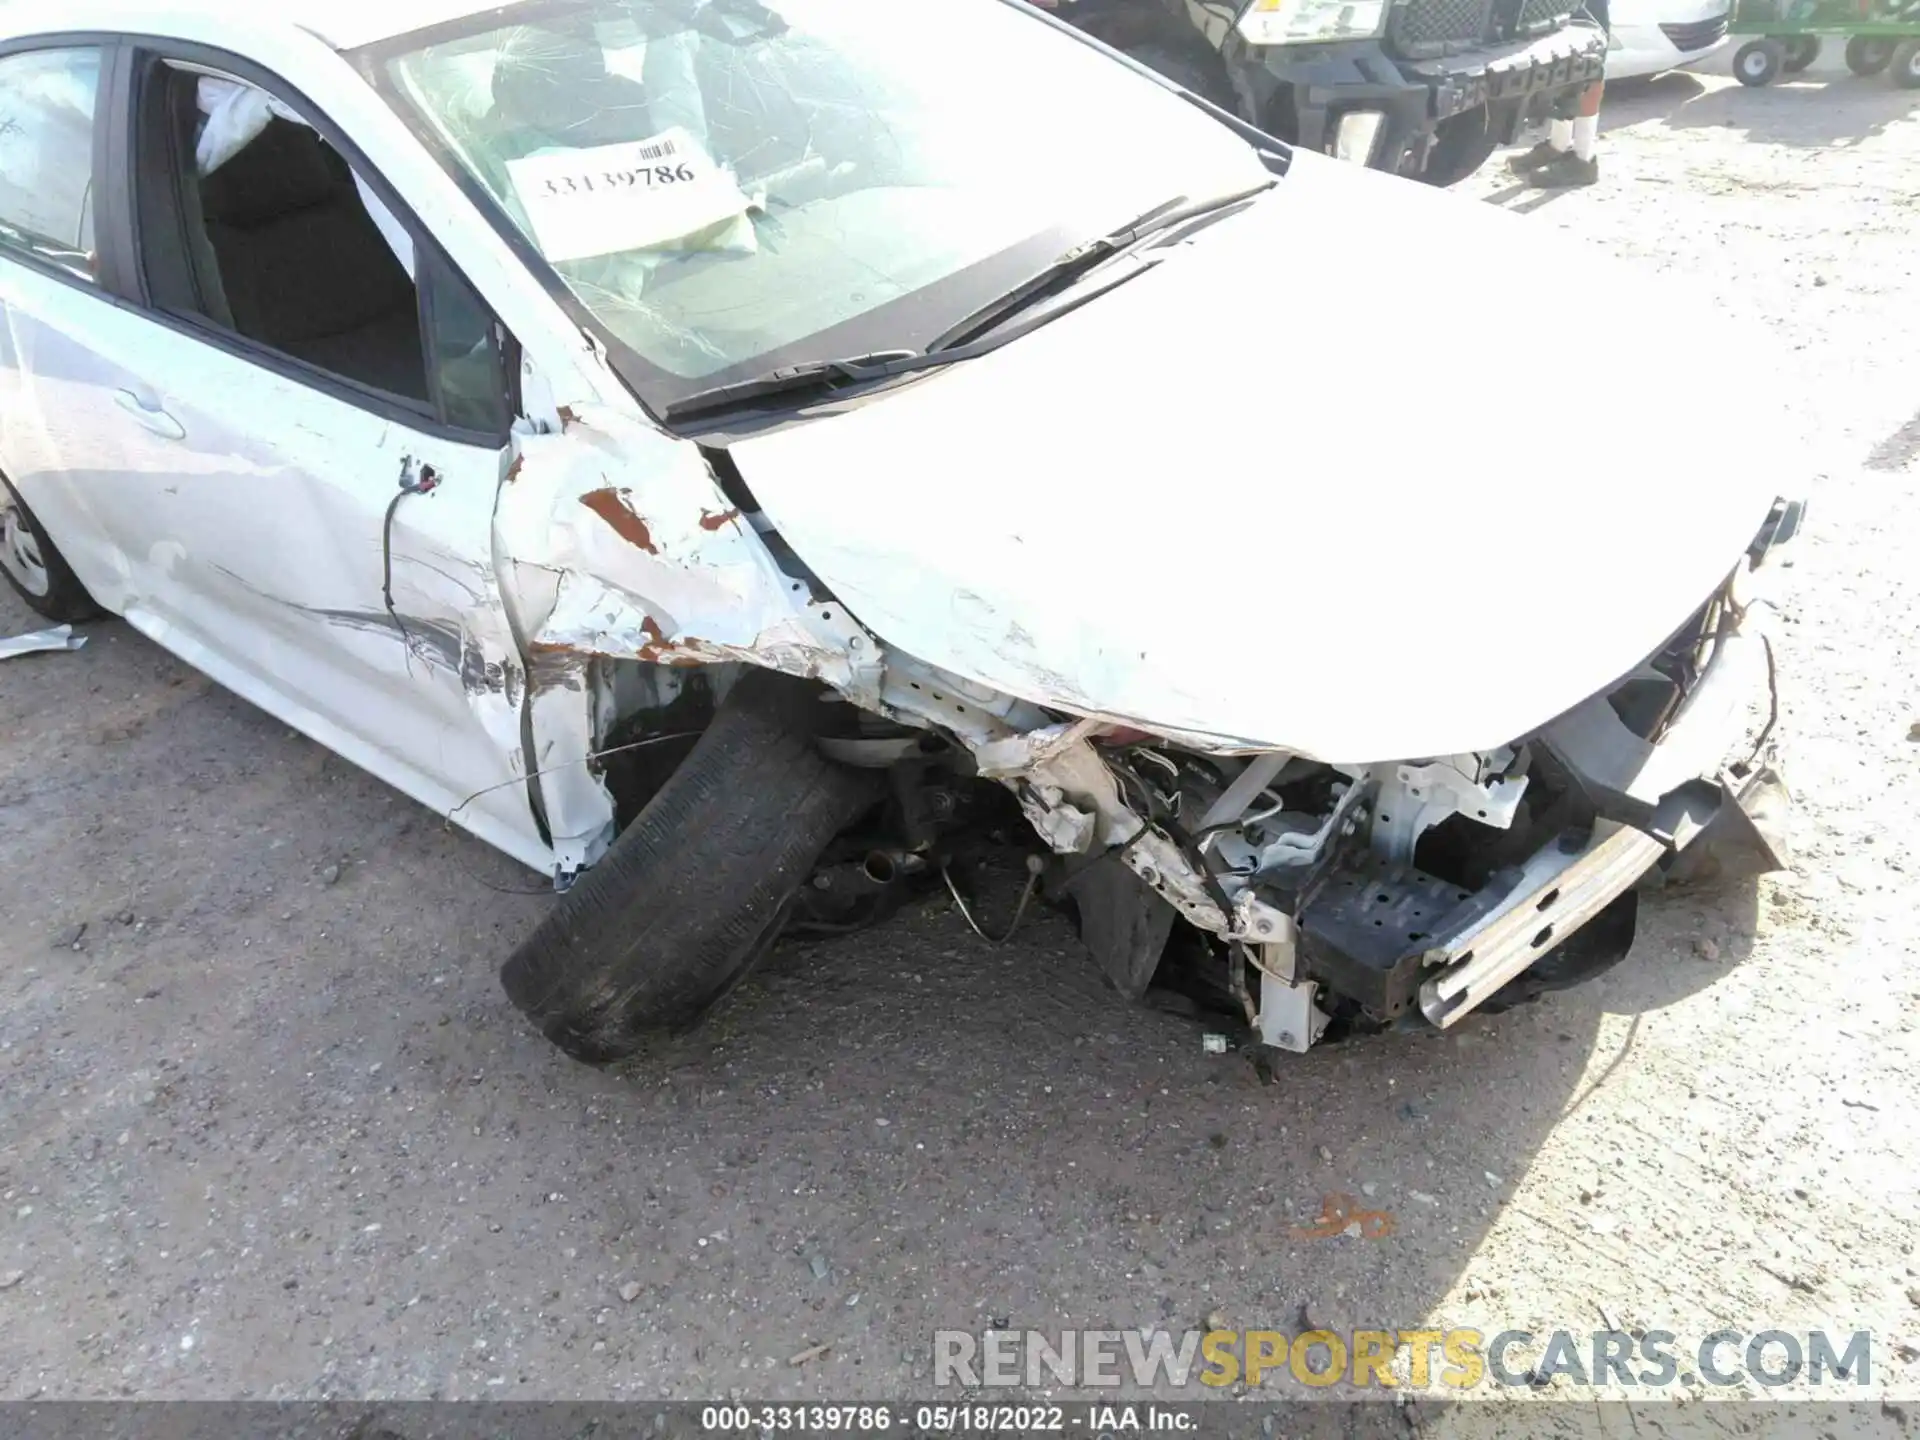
x=1369 y=472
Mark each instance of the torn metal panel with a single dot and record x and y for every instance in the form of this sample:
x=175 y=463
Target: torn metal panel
x=654 y=563
x=616 y=541
x=622 y=545
x=1031 y=750
x=1074 y=801
x=574 y=800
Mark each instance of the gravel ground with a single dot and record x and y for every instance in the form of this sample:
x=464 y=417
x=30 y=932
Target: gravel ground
x=269 y=1128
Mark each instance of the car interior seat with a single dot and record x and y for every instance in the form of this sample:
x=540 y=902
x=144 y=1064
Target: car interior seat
x=303 y=266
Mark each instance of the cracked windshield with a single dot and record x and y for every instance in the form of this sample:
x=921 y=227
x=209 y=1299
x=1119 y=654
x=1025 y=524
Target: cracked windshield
x=727 y=186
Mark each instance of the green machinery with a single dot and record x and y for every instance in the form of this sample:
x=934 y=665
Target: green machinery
x=1881 y=35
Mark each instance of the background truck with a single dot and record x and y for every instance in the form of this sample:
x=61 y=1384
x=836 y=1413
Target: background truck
x=1425 y=88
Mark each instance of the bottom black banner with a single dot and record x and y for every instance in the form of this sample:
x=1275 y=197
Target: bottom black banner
x=1076 y=1420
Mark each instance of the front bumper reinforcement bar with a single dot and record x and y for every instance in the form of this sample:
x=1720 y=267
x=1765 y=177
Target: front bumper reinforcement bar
x=1561 y=893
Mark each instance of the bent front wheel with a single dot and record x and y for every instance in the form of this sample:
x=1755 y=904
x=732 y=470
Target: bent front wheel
x=693 y=892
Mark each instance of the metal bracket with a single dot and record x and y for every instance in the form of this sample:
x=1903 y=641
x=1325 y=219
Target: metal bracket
x=1412 y=799
x=1287 y=1019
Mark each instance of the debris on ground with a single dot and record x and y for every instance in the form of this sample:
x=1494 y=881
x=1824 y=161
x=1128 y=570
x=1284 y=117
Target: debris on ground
x=60 y=637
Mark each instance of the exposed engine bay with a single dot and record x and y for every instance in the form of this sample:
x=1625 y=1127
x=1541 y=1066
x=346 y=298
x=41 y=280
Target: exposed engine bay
x=1307 y=899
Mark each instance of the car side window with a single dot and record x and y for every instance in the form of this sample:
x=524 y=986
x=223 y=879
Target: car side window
x=47 y=102
x=466 y=352
x=253 y=222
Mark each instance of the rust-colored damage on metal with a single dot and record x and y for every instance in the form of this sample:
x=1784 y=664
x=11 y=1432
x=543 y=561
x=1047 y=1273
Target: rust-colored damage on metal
x=609 y=505
x=513 y=470
x=567 y=416
x=711 y=521
x=656 y=638
x=658 y=650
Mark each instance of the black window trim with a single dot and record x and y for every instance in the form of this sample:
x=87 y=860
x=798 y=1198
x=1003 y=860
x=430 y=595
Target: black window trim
x=111 y=58
x=139 y=55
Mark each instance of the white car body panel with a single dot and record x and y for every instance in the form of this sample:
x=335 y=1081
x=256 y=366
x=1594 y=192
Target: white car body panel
x=1638 y=46
x=245 y=545
x=349 y=681
x=1138 y=566
x=1058 y=523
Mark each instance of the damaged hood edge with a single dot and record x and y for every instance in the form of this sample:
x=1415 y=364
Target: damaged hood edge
x=1154 y=510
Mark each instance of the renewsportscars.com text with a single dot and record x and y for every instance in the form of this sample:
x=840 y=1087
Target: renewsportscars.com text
x=1456 y=1359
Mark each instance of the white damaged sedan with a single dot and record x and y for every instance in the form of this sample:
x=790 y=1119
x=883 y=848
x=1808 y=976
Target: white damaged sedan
x=712 y=448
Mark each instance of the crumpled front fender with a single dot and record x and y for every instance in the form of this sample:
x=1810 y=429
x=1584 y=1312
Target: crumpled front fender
x=616 y=541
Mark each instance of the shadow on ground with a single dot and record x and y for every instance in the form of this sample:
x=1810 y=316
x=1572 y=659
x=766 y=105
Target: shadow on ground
x=1822 y=108
x=1806 y=112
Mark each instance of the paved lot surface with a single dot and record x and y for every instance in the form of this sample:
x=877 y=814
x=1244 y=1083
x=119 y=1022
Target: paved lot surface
x=269 y=1133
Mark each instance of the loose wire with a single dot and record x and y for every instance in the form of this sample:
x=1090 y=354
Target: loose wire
x=1035 y=865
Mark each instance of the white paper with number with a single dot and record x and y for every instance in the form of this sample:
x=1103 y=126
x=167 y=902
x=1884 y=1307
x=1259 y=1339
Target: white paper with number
x=637 y=195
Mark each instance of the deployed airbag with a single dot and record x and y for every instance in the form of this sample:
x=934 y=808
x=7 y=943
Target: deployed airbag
x=237 y=114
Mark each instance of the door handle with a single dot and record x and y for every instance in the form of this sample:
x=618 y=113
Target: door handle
x=151 y=416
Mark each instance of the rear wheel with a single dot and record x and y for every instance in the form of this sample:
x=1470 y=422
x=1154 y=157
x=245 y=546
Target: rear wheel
x=35 y=567
x=1905 y=65
x=694 y=891
x=1801 y=51
x=1869 y=55
x=1758 y=62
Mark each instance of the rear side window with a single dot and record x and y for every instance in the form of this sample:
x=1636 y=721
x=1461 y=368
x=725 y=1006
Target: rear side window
x=47 y=100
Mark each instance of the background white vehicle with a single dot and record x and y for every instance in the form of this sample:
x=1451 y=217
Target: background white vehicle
x=1651 y=36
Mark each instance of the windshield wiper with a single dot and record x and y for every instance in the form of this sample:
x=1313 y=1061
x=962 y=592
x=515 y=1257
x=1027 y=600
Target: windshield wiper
x=962 y=341
x=1084 y=257
x=809 y=375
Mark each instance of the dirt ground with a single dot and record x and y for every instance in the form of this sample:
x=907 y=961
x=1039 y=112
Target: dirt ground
x=269 y=1129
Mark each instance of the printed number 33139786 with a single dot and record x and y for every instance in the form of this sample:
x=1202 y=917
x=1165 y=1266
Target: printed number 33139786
x=647 y=177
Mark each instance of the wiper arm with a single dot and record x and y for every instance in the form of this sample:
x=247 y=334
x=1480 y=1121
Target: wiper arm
x=830 y=375
x=1084 y=257
x=812 y=374
x=958 y=342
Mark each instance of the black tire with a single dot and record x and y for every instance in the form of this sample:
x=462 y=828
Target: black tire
x=1193 y=70
x=1462 y=144
x=692 y=892
x=1905 y=65
x=34 y=566
x=1869 y=54
x=1758 y=62
x=1801 y=51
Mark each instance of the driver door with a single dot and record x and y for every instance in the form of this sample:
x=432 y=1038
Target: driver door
x=309 y=432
